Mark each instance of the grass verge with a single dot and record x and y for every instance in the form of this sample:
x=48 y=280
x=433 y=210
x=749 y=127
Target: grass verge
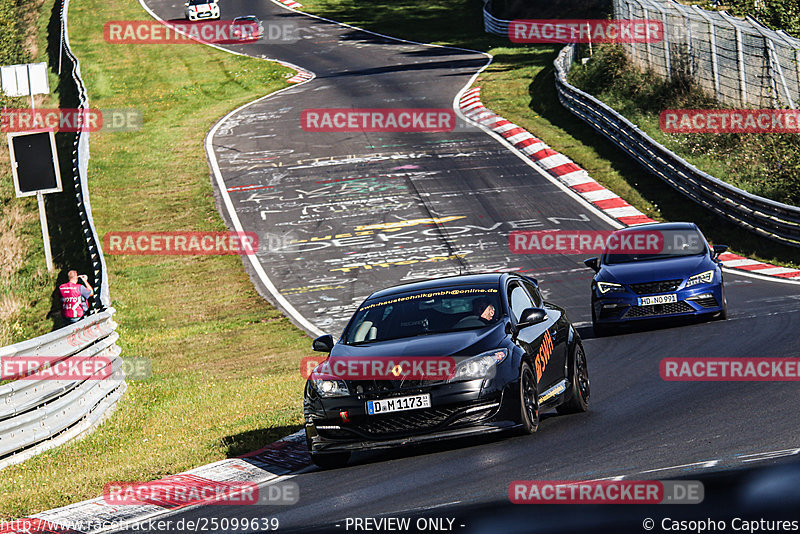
x=25 y=285
x=520 y=86
x=225 y=362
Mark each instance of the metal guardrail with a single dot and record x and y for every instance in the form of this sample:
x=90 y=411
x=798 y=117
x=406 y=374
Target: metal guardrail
x=38 y=411
x=492 y=24
x=762 y=216
x=80 y=165
x=765 y=217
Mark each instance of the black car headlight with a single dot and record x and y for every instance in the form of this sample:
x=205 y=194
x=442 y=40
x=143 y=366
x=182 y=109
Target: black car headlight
x=327 y=387
x=327 y=384
x=480 y=366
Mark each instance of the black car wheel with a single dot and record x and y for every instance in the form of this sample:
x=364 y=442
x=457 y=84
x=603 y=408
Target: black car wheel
x=579 y=397
x=330 y=460
x=529 y=400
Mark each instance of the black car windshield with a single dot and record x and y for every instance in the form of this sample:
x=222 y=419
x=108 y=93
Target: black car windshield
x=200 y=2
x=673 y=243
x=433 y=311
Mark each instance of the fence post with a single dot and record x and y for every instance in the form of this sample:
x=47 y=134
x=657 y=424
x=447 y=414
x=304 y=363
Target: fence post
x=667 y=61
x=629 y=11
x=649 y=53
x=740 y=59
x=785 y=42
x=712 y=32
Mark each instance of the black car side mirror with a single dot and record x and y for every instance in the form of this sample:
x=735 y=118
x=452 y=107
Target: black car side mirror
x=719 y=249
x=593 y=264
x=531 y=316
x=323 y=343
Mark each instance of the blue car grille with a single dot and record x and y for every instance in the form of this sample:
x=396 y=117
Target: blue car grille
x=655 y=287
x=659 y=309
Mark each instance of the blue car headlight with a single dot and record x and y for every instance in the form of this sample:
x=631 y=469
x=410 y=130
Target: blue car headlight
x=480 y=366
x=605 y=287
x=702 y=278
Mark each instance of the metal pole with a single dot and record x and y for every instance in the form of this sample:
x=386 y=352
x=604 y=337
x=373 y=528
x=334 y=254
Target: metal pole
x=48 y=255
x=589 y=27
x=740 y=58
x=30 y=87
x=649 y=53
x=667 y=60
x=790 y=45
x=713 y=34
x=774 y=65
x=61 y=41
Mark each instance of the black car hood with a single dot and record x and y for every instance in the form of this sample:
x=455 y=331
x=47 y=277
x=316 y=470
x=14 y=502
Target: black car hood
x=461 y=343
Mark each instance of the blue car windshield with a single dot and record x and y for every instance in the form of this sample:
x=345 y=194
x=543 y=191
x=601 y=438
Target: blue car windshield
x=433 y=311
x=673 y=243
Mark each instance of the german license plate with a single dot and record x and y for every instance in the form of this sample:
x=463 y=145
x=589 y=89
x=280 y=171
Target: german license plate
x=657 y=299
x=399 y=404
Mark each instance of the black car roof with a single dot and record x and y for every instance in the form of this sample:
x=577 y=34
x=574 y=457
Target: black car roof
x=449 y=281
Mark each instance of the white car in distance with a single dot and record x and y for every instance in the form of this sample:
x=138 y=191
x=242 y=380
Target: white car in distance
x=202 y=10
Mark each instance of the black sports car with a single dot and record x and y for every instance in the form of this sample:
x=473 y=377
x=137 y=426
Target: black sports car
x=440 y=359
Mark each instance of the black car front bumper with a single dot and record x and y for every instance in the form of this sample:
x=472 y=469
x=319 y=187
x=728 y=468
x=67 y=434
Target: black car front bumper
x=457 y=410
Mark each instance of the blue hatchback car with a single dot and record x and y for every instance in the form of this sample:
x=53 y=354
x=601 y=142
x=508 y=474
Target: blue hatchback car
x=683 y=277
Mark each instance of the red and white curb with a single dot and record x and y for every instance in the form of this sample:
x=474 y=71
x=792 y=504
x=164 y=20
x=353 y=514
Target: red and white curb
x=734 y=261
x=291 y=4
x=578 y=180
x=272 y=463
x=301 y=76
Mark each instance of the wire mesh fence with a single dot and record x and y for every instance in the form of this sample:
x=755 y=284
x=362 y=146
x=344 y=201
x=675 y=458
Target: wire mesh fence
x=740 y=61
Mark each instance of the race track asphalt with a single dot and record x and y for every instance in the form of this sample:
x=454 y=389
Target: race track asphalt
x=340 y=215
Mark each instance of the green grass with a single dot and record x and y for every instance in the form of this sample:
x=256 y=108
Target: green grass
x=25 y=285
x=226 y=363
x=520 y=86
